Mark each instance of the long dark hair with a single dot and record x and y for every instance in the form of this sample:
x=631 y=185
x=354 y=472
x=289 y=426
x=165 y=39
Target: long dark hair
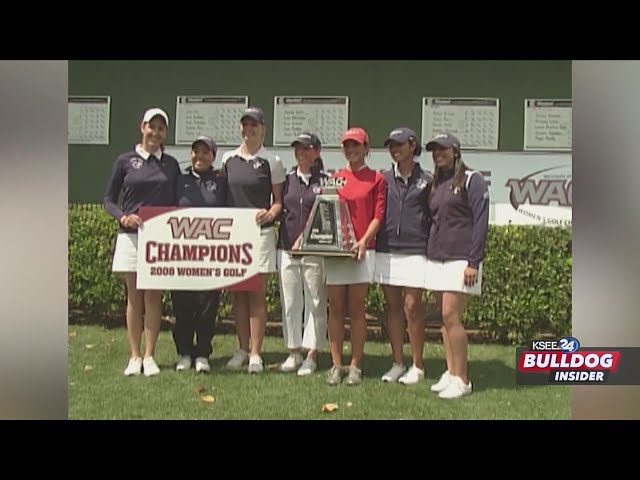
x=459 y=169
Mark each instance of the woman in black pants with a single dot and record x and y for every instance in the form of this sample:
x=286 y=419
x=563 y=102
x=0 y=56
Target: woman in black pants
x=196 y=311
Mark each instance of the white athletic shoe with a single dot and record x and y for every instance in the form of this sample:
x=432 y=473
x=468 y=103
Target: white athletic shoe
x=184 y=363
x=394 y=374
x=456 y=389
x=292 y=363
x=202 y=365
x=445 y=379
x=414 y=375
x=240 y=357
x=150 y=367
x=134 y=367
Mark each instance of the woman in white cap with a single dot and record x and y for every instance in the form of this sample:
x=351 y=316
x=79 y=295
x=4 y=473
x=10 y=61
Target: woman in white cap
x=255 y=178
x=401 y=252
x=303 y=292
x=459 y=215
x=348 y=280
x=146 y=177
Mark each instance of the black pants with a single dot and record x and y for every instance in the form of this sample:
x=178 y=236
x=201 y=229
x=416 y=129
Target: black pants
x=196 y=312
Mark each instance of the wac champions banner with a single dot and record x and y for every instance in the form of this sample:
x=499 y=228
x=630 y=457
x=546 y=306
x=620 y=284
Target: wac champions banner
x=197 y=249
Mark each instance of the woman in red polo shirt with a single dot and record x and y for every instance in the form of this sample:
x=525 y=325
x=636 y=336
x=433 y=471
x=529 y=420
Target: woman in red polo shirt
x=364 y=191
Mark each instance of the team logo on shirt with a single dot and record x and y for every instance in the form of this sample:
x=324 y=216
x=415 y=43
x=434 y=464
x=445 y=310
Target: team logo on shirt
x=211 y=186
x=422 y=184
x=333 y=182
x=136 y=162
x=257 y=164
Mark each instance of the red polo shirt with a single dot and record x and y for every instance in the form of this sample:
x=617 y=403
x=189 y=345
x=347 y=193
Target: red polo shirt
x=365 y=193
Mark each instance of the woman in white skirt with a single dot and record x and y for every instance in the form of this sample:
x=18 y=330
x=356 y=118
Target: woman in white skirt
x=255 y=178
x=459 y=215
x=401 y=253
x=348 y=280
x=146 y=176
x=303 y=293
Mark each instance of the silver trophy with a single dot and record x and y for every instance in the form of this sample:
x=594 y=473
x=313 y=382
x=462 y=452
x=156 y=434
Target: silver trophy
x=329 y=231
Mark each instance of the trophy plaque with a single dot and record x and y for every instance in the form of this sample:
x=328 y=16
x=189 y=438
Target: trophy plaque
x=329 y=231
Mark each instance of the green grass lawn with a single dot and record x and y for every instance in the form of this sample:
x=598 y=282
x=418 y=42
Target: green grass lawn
x=99 y=390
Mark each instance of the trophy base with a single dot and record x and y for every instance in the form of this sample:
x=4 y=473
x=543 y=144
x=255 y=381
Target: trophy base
x=321 y=253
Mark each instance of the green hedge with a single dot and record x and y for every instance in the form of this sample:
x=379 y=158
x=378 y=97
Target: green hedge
x=526 y=287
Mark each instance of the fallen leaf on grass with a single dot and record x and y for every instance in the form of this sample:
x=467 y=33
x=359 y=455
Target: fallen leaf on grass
x=329 y=407
x=72 y=334
x=208 y=399
x=88 y=368
x=200 y=388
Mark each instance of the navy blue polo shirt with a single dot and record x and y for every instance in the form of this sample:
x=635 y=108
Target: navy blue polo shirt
x=250 y=178
x=405 y=229
x=298 y=196
x=460 y=219
x=205 y=189
x=144 y=180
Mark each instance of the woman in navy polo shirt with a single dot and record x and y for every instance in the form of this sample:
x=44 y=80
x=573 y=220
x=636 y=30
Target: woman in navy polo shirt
x=459 y=212
x=255 y=178
x=303 y=292
x=196 y=311
x=147 y=177
x=401 y=252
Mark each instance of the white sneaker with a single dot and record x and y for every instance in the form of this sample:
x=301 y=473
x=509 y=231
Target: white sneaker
x=394 y=374
x=456 y=389
x=202 y=365
x=308 y=367
x=414 y=375
x=255 y=364
x=150 y=367
x=444 y=381
x=184 y=363
x=240 y=357
x=134 y=367
x=292 y=363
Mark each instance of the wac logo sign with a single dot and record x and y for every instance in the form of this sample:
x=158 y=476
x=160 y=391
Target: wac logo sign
x=545 y=196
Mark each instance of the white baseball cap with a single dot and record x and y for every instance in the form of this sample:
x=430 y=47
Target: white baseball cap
x=154 y=112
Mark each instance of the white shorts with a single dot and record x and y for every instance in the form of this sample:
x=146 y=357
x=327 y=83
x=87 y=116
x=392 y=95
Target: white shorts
x=449 y=277
x=265 y=255
x=400 y=270
x=348 y=271
x=125 y=257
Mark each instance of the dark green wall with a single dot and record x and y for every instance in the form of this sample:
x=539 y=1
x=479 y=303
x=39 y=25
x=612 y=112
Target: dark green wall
x=382 y=96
